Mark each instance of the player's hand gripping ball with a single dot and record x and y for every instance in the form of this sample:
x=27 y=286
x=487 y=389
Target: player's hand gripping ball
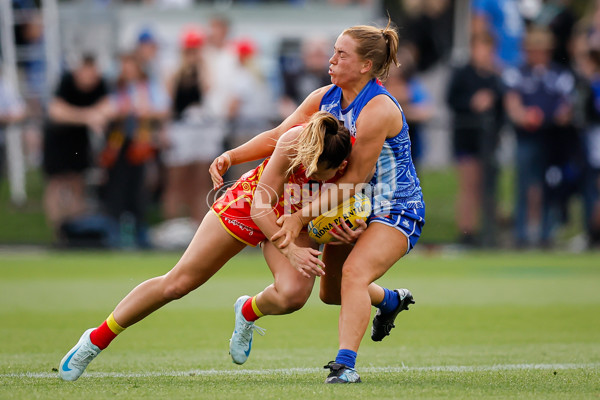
x=356 y=207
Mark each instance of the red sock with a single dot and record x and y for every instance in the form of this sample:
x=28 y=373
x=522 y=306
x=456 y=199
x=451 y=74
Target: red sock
x=102 y=336
x=250 y=311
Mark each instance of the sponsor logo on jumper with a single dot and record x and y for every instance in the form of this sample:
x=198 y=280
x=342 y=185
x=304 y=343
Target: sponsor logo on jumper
x=238 y=224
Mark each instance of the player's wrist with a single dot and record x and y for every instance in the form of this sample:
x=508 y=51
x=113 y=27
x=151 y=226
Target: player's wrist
x=303 y=216
x=230 y=156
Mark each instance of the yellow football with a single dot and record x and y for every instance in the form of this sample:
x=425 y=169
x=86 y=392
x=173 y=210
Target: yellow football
x=356 y=207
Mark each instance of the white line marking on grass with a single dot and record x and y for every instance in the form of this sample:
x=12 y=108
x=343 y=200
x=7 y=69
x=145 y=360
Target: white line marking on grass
x=305 y=371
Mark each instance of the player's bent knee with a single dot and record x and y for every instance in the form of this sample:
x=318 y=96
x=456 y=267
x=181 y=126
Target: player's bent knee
x=354 y=275
x=293 y=300
x=176 y=290
x=292 y=304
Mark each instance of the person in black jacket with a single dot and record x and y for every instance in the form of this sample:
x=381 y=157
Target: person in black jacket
x=475 y=96
x=79 y=106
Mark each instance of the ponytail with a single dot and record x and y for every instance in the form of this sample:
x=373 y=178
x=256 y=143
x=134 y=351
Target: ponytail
x=391 y=41
x=323 y=140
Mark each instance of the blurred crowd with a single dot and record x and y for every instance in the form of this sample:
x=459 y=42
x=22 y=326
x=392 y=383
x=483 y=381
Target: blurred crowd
x=225 y=3
x=187 y=3
x=113 y=146
x=536 y=72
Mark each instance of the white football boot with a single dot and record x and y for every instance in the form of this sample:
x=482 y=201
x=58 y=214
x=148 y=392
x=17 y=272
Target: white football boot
x=241 y=340
x=77 y=359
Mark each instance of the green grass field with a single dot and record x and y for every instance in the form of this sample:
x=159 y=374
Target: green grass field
x=486 y=325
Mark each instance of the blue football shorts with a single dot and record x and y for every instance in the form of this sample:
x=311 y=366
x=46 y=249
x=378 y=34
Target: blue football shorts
x=409 y=222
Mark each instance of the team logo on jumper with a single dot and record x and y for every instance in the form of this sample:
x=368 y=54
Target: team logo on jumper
x=237 y=199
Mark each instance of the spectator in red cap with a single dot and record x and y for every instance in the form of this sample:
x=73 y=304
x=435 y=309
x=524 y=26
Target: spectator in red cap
x=189 y=153
x=252 y=103
x=245 y=49
x=192 y=38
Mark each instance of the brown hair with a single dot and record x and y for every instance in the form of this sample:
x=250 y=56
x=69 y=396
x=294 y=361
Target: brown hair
x=324 y=139
x=378 y=45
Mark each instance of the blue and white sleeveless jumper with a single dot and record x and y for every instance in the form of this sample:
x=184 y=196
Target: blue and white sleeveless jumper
x=397 y=196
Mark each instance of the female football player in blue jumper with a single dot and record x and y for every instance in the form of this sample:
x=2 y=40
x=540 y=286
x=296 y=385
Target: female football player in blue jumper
x=381 y=156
